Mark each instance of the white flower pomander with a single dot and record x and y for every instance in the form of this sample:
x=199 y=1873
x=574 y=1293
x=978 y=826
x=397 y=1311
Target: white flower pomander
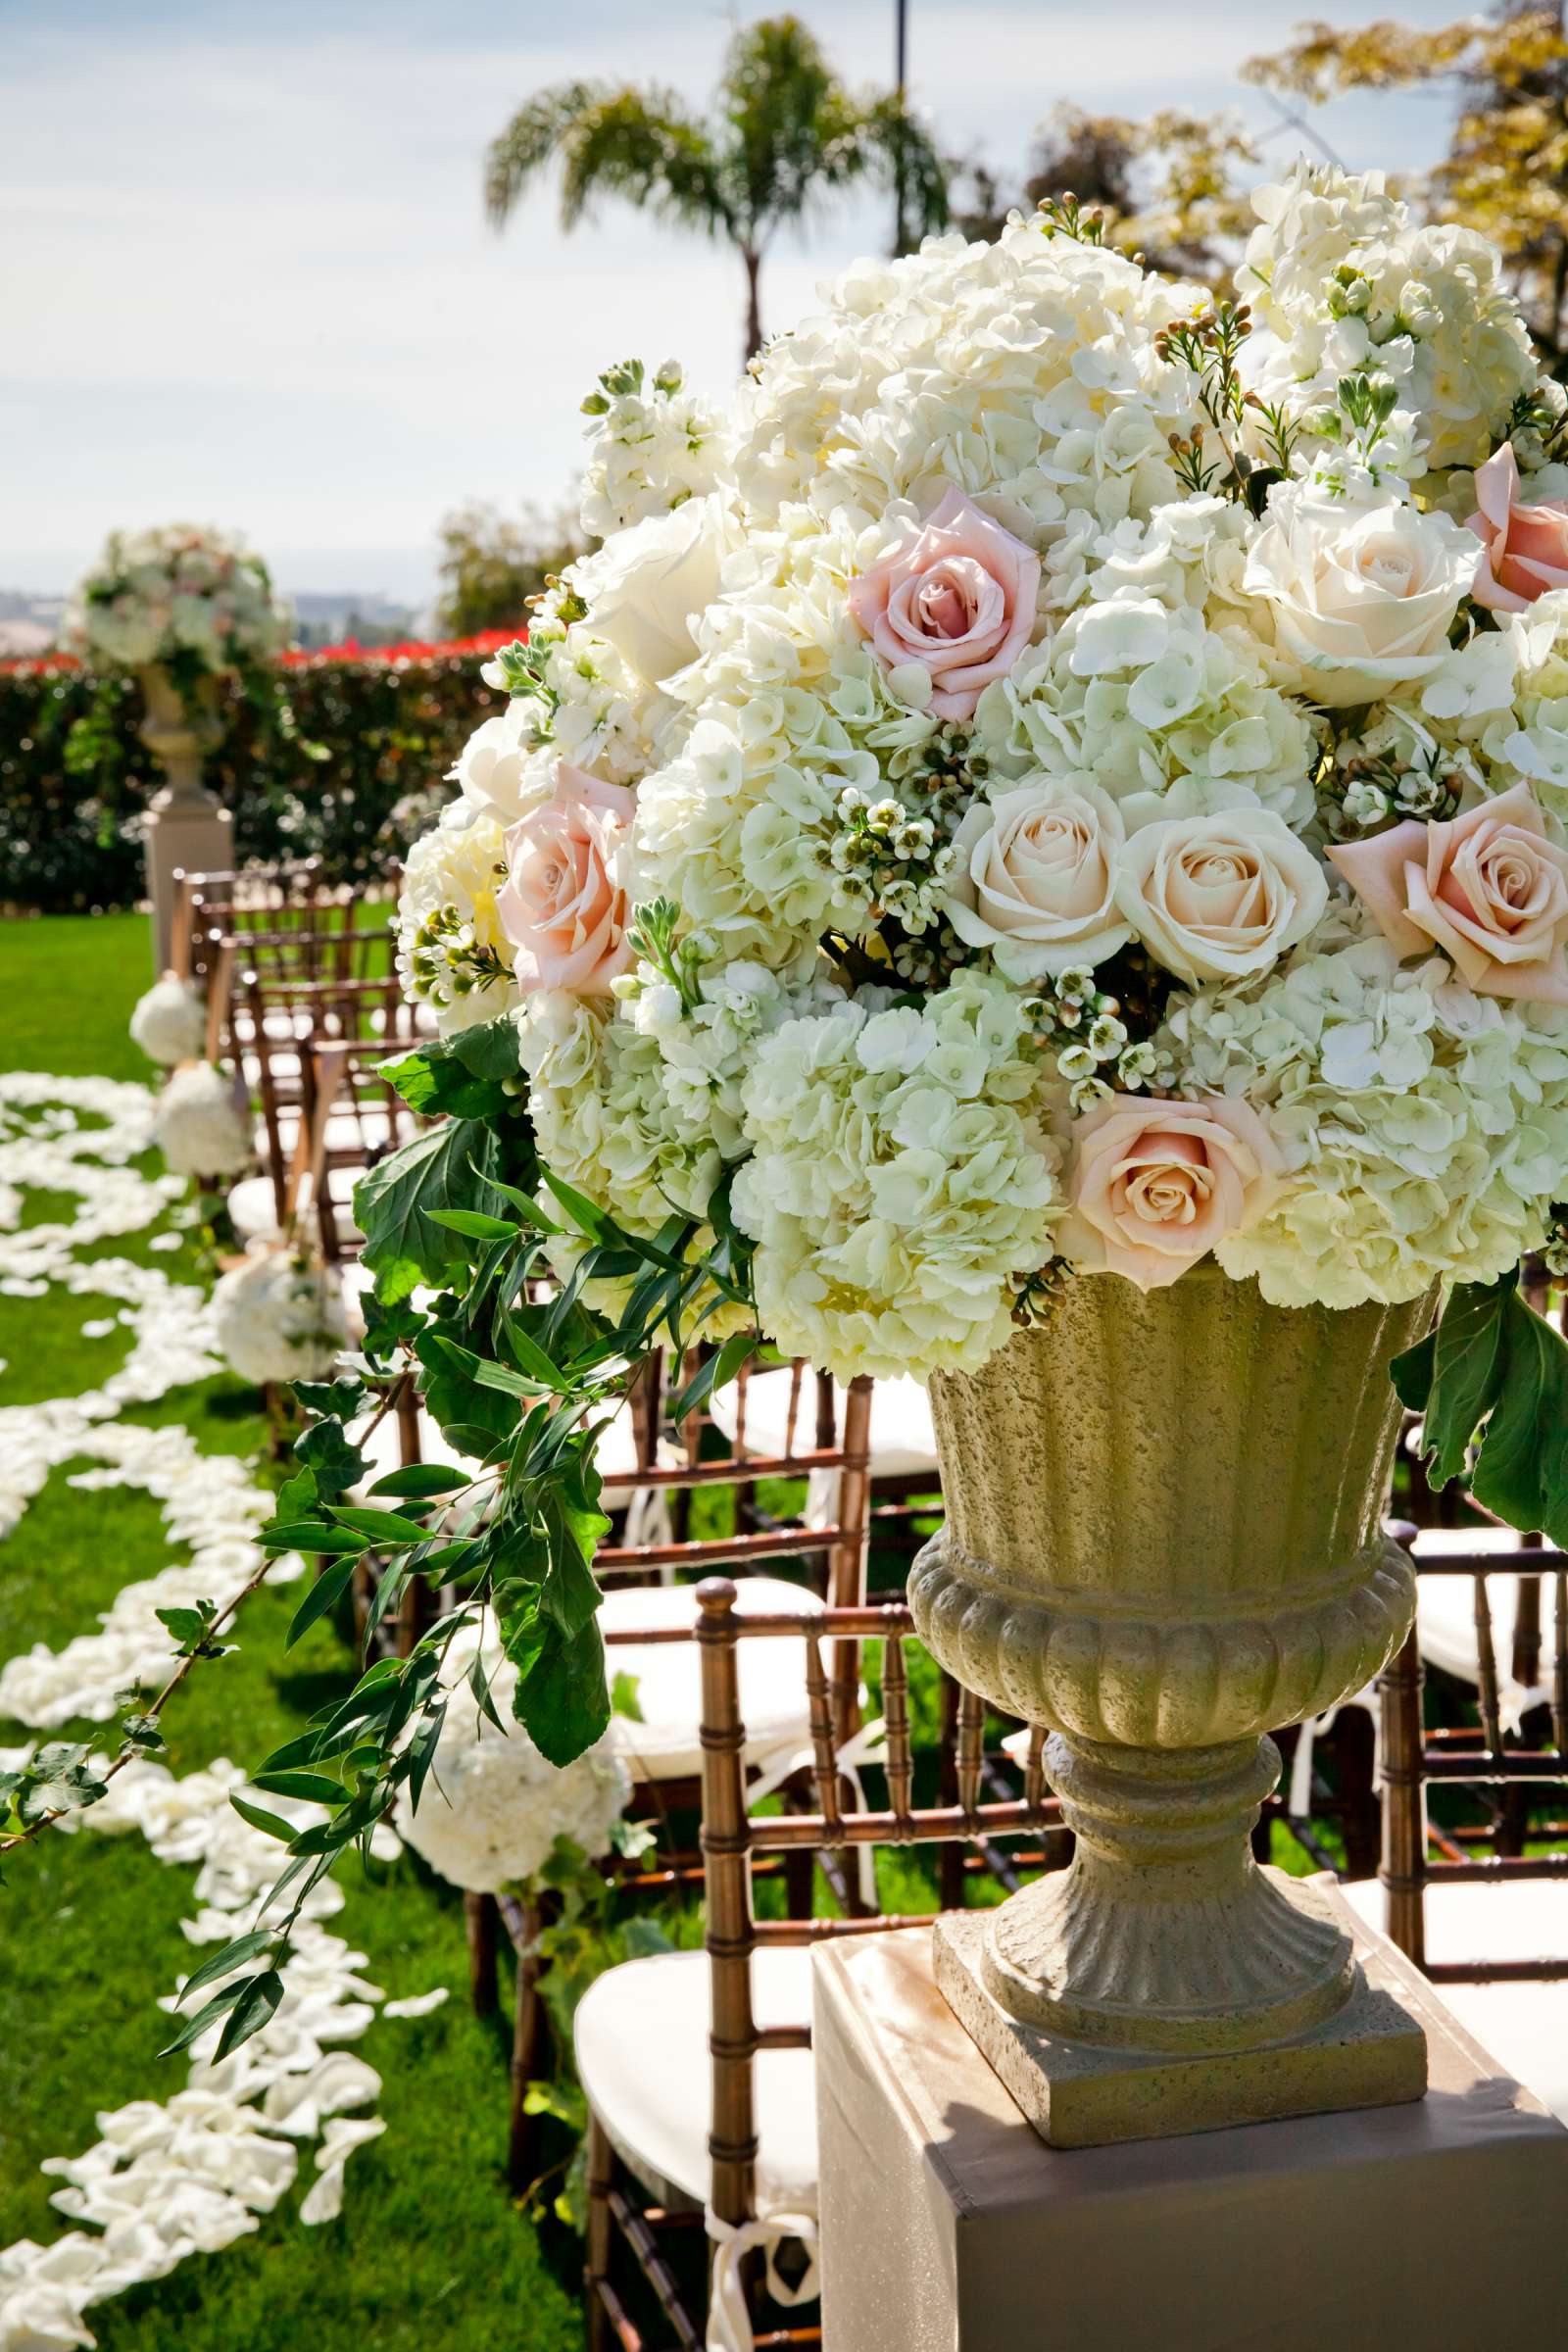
x=493 y=1808
x=1361 y=597
x=1034 y=878
x=169 y=1022
x=646 y=586
x=197 y=1126
x=278 y=1316
x=1220 y=897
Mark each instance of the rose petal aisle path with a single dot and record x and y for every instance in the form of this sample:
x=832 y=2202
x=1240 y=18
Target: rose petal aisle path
x=427 y=2253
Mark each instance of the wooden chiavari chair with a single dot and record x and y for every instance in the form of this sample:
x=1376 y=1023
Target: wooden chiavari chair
x=659 y=2157
x=240 y=897
x=1487 y=1924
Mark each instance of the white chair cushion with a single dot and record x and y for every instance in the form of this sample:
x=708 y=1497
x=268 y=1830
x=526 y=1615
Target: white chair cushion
x=253 y=1209
x=666 y=1744
x=641 y=2034
x=903 y=1440
x=1525 y=2026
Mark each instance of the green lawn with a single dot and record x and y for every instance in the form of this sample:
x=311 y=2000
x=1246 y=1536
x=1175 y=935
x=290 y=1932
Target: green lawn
x=430 y=2252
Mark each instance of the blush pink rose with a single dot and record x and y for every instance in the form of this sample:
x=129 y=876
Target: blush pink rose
x=564 y=903
x=1524 y=550
x=1154 y=1186
x=957 y=601
x=1488 y=888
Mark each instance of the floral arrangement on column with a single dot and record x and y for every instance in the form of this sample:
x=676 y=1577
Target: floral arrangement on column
x=185 y=595
x=1056 y=786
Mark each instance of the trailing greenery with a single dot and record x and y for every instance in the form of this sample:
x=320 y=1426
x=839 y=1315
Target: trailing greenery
x=352 y=782
x=1495 y=1375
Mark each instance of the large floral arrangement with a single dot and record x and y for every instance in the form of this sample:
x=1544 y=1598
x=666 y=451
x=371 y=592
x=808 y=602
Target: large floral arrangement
x=183 y=594
x=1067 y=779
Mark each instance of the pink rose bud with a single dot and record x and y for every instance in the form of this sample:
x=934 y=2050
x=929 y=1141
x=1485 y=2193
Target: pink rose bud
x=957 y=601
x=1524 y=550
x=565 y=903
x=1154 y=1186
x=1488 y=888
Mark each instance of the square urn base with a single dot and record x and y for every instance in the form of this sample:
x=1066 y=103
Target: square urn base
x=1372 y=2053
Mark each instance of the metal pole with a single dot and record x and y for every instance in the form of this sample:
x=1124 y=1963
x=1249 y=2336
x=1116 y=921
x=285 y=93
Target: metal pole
x=900 y=60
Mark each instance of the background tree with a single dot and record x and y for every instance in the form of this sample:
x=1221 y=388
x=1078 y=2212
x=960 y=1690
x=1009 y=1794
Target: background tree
x=784 y=134
x=1163 y=187
x=1507 y=168
x=491 y=563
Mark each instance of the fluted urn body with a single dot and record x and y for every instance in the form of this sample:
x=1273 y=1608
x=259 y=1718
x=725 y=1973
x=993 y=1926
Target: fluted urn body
x=1164 y=1540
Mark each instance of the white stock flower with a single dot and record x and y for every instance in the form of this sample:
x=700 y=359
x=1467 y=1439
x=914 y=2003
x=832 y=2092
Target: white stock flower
x=651 y=447
x=280 y=1316
x=452 y=952
x=1361 y=597
x=900 y=1179
x=169 y=1022
x=197 y=1126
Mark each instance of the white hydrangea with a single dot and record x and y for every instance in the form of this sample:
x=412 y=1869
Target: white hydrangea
x=169 y=1022
x=280 y=1316
x=1145 y=698
x=452 y=952
x=1025 y=366
x=651 y=445
x=900 y=1178
x=1424 y=1127
x=184 y=588
x=1346 y=283
x=493 y=1808
x=198 y=1125
x=707 y=1048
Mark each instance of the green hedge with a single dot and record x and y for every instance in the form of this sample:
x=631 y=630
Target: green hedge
x=389 y=723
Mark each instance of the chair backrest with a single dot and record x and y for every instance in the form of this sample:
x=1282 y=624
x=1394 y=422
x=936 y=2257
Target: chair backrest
x=1486 y=1757
x=733 y=1838
x=236 y=898
x=828 y=1457
x=349 y=1117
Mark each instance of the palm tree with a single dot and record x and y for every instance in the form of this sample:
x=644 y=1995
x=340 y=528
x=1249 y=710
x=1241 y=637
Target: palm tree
x=784 y=133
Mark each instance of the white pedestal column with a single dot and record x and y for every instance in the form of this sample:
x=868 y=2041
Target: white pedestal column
x=186 y=829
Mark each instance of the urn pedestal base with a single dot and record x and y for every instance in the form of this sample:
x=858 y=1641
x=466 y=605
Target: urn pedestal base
x=1370 y=2053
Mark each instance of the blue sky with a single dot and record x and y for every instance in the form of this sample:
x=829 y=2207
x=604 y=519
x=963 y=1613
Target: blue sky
x=248 y=278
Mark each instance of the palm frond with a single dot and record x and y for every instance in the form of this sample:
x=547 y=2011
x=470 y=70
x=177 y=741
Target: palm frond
x=640 y=144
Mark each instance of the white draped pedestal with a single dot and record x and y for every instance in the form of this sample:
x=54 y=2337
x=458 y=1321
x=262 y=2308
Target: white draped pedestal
x=948 y=2225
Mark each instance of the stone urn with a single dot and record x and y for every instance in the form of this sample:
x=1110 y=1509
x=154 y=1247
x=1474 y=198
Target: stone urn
x=1163 y=1540
x=186 y=830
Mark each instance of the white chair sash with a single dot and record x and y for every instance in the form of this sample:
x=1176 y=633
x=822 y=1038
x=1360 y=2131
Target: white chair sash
x=729 y=2322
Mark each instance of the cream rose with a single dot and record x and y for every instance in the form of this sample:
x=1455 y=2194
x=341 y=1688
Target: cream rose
x=565 y=903
x=1361 y=596
x=1220 y=897
x=1488 y=888
x=1033 y=879
x=1154 y=1186
x=1524 y=548
x=646 y=587
x=957 y=601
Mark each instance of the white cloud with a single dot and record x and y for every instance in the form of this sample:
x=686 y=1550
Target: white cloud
x=249 y=278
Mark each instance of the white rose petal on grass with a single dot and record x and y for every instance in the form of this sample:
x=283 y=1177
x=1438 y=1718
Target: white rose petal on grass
x=1220 y=897
x=1034 y=880
x=418 y=2004
x=323 y=2200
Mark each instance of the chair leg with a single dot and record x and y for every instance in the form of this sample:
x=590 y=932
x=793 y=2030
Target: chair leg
x=481 y=1921
x=529 y=2035
x=596 y=2267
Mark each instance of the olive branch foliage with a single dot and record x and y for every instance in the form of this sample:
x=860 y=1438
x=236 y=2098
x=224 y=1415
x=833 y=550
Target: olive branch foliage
x=522 y=1379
